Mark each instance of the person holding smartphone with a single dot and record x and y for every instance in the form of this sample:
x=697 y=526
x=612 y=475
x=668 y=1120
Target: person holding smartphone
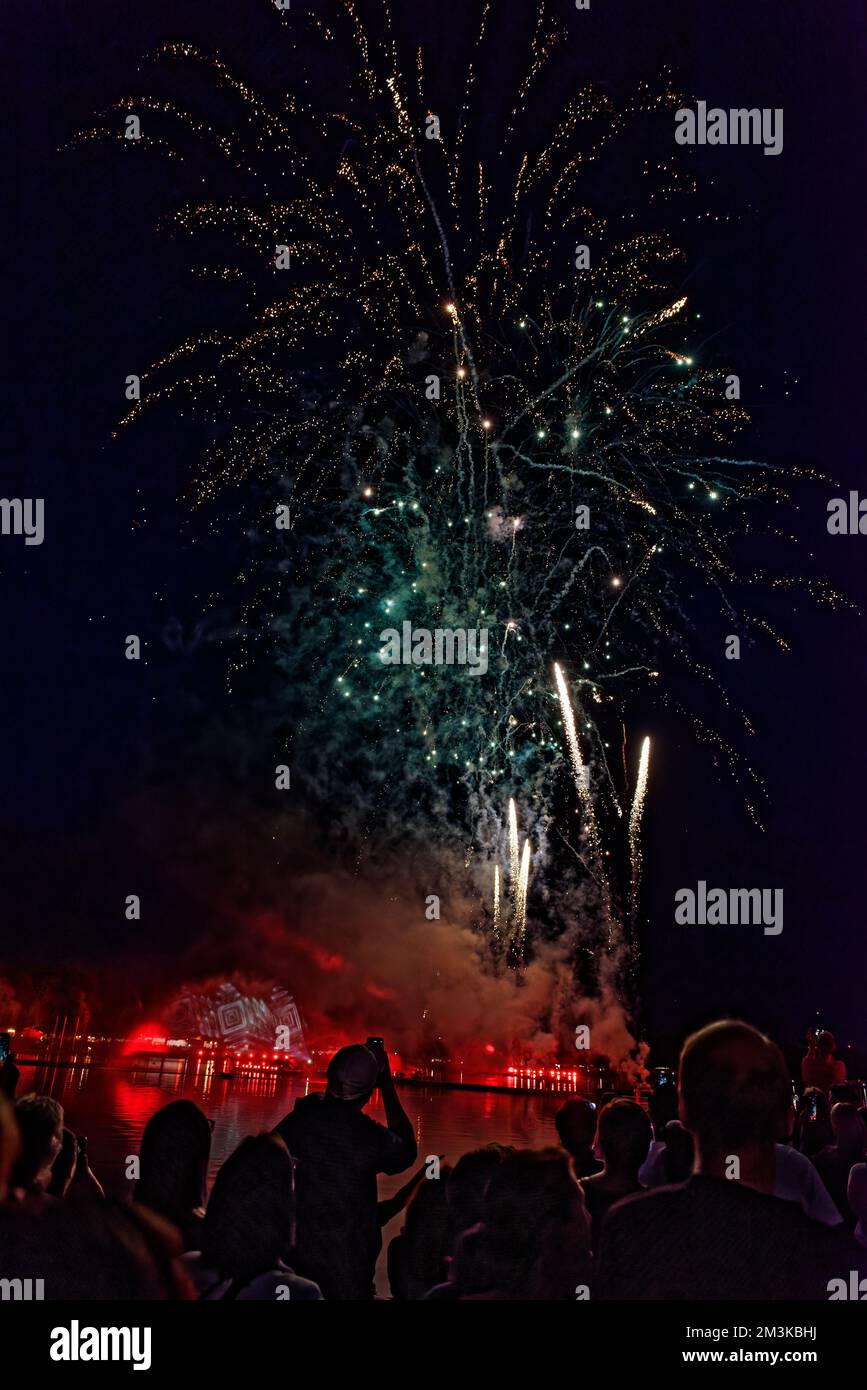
x=340 y=1151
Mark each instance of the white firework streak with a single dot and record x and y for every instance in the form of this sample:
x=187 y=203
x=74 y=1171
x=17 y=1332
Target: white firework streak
x=579 y=767
x=521 y=900
x=635 y=821
x=513 y=852
x=496 y=900
x=590 y=825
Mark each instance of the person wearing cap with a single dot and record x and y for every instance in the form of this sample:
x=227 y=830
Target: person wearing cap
x=339 y=1152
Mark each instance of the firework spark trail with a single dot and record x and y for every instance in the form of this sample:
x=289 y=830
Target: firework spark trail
x=496 y=928
x=580 y=770
x=513 y=853
x=635 y=814
x=623 y=591
x=521 y=903
x=590 y=824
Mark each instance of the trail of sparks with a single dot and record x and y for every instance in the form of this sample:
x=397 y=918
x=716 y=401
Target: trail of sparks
x=513 y=852
x=580 y=769
x=521 y=903
x=635 y=815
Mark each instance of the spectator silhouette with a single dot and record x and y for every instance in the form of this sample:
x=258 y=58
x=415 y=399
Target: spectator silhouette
x=796 y=1180
x=834 y=1162
x=533 y=1243
x=669 y=1161
x=721 y=1234
x=102 y=1250
x=249 y=1228
x=623 y=1138
x=40 y=1123
x=575 y=1123
x=417 y=1256
x=819 y=1068
x=467 y=1186
x=340 y=1151
x=662 y=1107
x=175 y=1149
x=845 y=1093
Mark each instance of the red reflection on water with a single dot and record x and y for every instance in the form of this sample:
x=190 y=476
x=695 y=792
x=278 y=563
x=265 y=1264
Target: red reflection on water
x=150 y=1037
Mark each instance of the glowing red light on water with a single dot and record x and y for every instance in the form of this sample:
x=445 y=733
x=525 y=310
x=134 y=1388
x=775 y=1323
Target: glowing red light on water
x=489 y=1047
x=149 y=1037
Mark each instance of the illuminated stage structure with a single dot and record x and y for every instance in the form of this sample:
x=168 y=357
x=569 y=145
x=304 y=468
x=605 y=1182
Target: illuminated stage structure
x=242 y=1022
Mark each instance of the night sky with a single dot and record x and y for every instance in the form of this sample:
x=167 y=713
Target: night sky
x=93 y=293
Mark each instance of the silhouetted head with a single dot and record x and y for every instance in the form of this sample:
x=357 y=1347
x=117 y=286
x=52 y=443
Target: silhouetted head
x=352 y=1075
x=426 y=1230
x=97 y=1250
x=576 y=1127
x=174 y=1153
x=534 y=1238
x=662 y=1106
x=849 y=1132
x=679 y=1152
x=624 y=1137
x=468 y=1182
x=249 y=1222
x=826 y=1043
x=40 y=1122
x=844 y=1093
x=735 y=1092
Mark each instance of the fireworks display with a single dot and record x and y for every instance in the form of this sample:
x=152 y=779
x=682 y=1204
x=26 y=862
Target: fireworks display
x=467 y=394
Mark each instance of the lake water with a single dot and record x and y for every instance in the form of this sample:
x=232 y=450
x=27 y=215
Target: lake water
x=112 y=1108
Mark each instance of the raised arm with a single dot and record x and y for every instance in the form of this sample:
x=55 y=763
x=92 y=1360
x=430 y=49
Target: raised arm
x=397 y=1121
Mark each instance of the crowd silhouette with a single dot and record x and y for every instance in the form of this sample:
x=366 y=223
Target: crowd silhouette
x=728 y=1186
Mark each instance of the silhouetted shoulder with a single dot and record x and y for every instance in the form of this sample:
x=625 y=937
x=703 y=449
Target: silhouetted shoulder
x=712 y=1239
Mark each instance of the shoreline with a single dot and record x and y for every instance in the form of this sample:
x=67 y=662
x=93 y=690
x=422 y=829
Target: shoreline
x=529 y=1087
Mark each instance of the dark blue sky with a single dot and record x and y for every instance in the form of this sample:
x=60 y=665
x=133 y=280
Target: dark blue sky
x=92 y=294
